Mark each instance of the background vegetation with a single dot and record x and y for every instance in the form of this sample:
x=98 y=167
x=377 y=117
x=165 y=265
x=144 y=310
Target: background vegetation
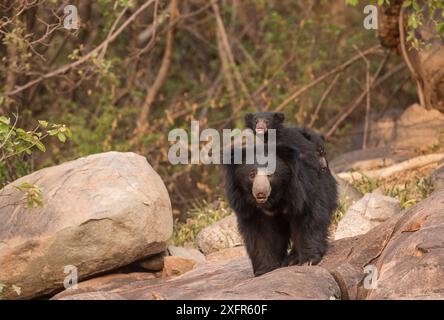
x=134 y=70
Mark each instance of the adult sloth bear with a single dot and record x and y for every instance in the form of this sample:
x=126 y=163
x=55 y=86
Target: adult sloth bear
x=293 y=206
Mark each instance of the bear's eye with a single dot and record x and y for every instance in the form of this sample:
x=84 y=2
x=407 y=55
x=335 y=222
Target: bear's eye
x=252 y=173
x=267 y=122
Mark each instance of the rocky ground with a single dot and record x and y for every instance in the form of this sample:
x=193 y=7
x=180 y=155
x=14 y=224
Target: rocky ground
x=109 y=215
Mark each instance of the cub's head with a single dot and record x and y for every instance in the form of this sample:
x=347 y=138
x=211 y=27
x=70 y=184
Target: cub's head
x=261 y=122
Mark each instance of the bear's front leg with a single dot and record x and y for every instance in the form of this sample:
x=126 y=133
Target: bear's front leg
x=310 y=239
x=292 y=259
x=266 y=240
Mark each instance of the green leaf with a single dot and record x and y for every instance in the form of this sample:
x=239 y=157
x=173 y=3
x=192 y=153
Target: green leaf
x=61 y=137
x=352 y=2
x=5 y=120
x=4 y=128
x=26 y=185
x=40 y=146
x=20 y=131
x=53 y=132
x=43 y=123
x=407 y=3
x=68 y=133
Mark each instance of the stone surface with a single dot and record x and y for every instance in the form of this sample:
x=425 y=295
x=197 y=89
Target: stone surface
x=95 y=295
x=175 y=266
x=101 y=212
x=406 y=250
x=368 y=159
x=108 y=284
x=411 y=266
x=227 y=254
x=290 y=283
x=346 y=258
x=365 y=214
x=437 y=177
x=412 y=128
x=153 y=263
x=187 y=253
x=227 y=280
x=220 y=235
x=347 y=194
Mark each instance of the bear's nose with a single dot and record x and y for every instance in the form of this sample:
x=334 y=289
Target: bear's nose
x=261 y=195
x=261 y=188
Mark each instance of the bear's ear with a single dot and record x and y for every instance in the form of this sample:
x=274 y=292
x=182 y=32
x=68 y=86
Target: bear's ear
x=279 y=117
x=249 y=120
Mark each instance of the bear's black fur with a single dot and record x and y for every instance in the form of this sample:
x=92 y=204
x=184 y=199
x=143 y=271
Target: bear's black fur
x=298 y=210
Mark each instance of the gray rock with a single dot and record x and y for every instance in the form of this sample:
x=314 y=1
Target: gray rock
x=227 y=254
x=347 y=193
x=220 y=235
x=437 y=177
x=365 y=214
x=411 y=266
x=187 y=253
x=96 y=295
x=101 y=212
x=411 y=129
x=232 y=280
x=406 y=251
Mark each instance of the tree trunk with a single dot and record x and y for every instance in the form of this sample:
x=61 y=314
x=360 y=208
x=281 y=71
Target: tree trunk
x=427 y=64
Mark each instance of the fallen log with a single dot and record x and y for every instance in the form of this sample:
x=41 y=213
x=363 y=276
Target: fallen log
x=384 y=173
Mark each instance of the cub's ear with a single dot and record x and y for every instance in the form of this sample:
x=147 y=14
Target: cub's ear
x=279 y=116
x=249 y=119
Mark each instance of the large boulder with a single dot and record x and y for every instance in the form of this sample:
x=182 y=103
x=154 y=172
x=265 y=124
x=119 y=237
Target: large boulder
x=411 y=266
x=174 y=266
x=411 y=129
x=437 y=177
x=347 y=194
x=365 y=214
x=100 y=213
x=220 y=235
x=187 y=253
x=227 y=254
x=219 y=280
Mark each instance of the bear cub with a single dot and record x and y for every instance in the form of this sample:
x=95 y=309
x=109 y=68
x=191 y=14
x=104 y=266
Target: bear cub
x=311 y=146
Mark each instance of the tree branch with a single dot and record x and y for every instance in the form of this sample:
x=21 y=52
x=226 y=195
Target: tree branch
x=85 y=58
x=340 y=68
x=142 y=121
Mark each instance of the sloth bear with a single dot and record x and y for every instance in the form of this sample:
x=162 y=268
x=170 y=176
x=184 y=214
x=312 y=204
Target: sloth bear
x=311 y=146
x=293 y=206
